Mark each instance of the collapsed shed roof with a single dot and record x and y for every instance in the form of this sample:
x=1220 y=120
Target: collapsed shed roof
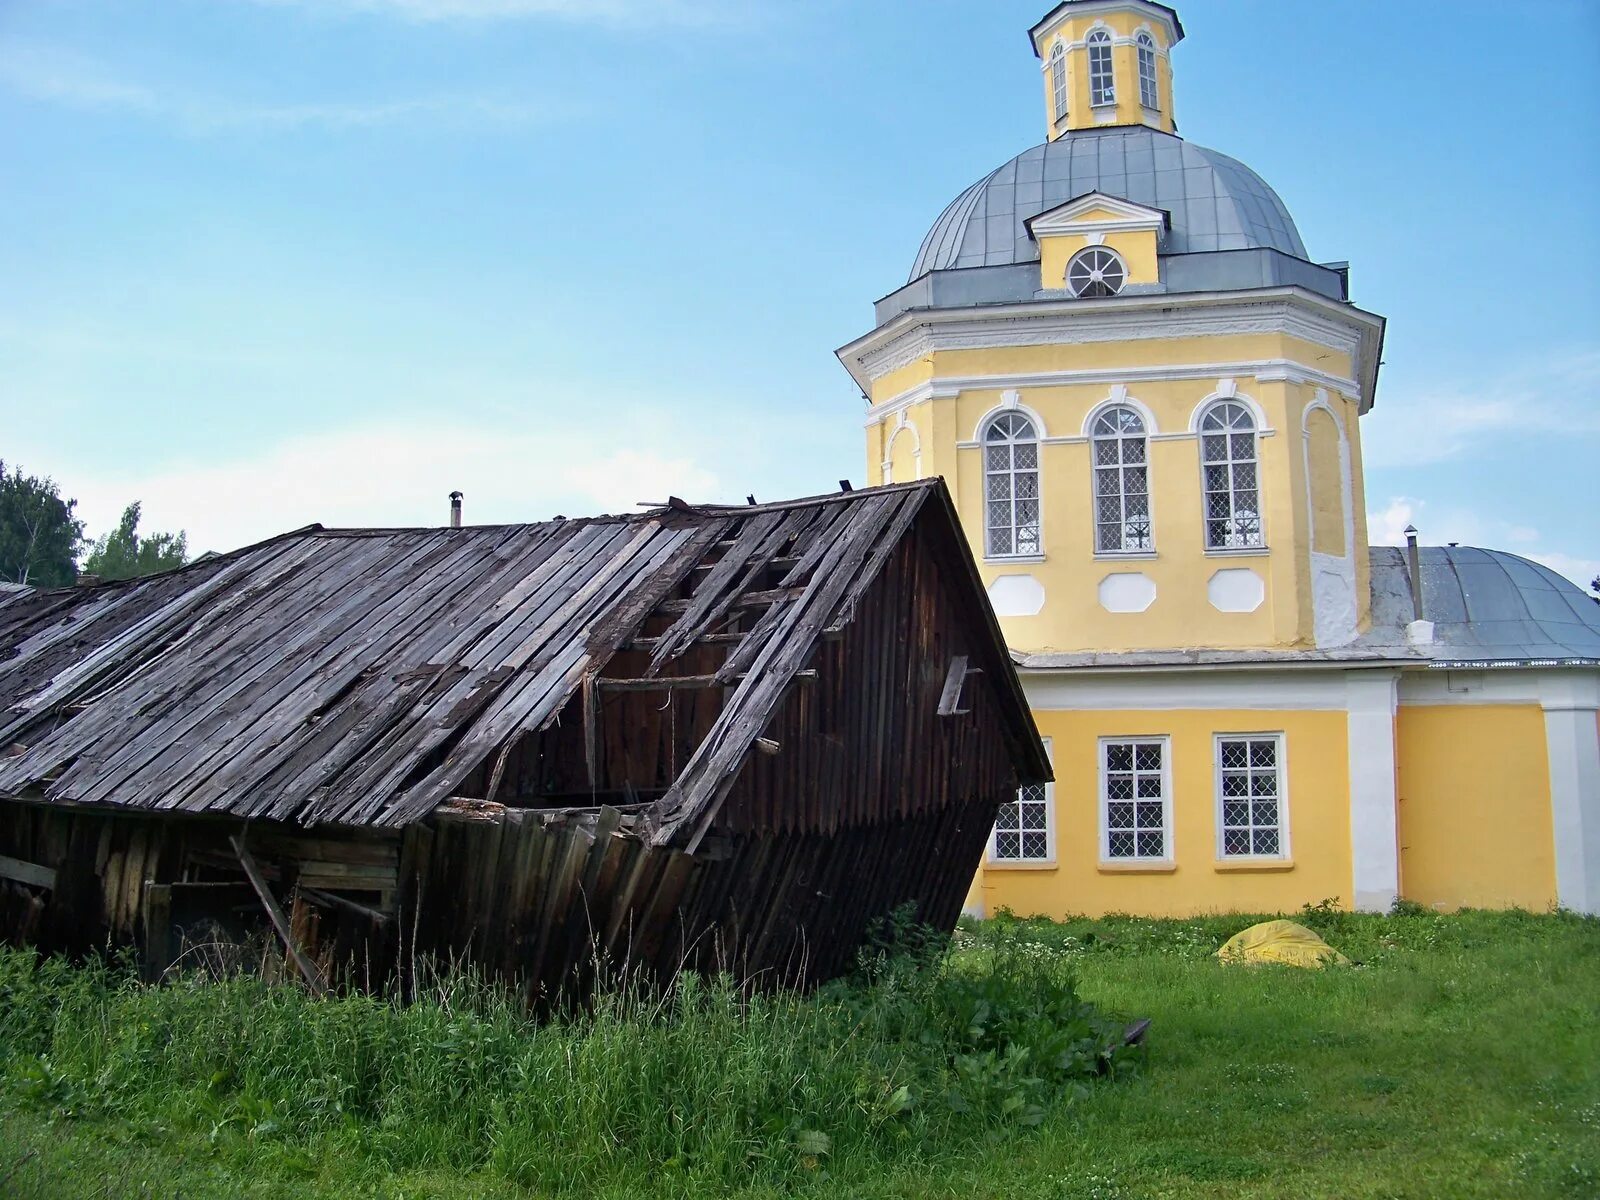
x=356 y=677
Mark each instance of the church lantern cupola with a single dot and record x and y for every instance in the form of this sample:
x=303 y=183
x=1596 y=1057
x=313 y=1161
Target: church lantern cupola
x=1107 y=63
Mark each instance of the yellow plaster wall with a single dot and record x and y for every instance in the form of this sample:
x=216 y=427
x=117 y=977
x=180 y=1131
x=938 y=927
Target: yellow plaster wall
x=1351 y=412
x=1475 y=823
x=1316 y=756
x=1134 y=352
x=1071 y=571
x=1137 y=248
x=1327 y=484
x=903 y=463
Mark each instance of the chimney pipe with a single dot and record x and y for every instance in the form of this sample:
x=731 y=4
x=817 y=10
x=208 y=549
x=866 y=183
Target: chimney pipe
x=1416 y=571
x=455 y=510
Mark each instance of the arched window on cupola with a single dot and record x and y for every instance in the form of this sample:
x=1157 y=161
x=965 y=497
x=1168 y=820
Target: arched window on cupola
x=1102 y=85
x=1121 y=482
x=1011 y=486
x=1149 y=95
x=1058 y=79
x=1232 y=482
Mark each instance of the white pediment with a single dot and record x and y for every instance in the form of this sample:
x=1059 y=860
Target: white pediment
x=1096 y=212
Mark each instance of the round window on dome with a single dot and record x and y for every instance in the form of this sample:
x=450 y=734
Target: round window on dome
x=1096 y=272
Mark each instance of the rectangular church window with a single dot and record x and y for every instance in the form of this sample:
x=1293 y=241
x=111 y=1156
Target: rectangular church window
x=1135 y=800
x=1024 y=831
x=1250 y=796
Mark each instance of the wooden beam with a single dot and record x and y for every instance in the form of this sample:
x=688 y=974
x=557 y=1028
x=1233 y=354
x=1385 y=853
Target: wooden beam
x=318 y=896
x=275 y=914
x=781 y=562
x=748 y=600
x=710 y=639
x=27 y=872
x=954 y=681
x=665 y=683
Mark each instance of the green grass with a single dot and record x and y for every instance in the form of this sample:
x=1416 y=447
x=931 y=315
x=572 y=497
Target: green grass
x=1460 y=1058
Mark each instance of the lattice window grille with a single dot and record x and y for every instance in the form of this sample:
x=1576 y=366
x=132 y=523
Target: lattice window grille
x=1096 y=272
x=1148 y=95
x=1058 y=79
x=1133 y=783
x=1022 y=830
x=1121 y=482
x=1232 y=483
x=1011 y=487
x=1250 y=793
x=1102 y=85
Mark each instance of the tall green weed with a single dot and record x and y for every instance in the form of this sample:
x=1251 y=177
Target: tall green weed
x=705 y=1083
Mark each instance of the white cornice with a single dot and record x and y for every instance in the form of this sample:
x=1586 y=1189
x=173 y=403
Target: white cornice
x=919 y=333
x=1042 y=32
x=1265 y=370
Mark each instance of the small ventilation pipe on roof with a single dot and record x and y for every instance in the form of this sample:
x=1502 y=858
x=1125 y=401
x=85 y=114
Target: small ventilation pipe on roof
x=1413 y=563
x=455 y=510
x=1419 y=632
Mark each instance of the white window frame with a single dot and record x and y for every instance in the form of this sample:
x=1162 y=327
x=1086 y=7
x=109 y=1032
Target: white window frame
x=1231 y=542
x=1102 y=69
x=1058 y=79
x=1122 y=265
x=1149 y=87
x=1280 y=766
x=1120 y=468
x=1103 y=801
x=1048 y=859
x=1012 y=472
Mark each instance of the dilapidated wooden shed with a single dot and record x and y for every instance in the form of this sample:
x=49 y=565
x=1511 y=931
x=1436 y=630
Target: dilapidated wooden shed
x=726 y=737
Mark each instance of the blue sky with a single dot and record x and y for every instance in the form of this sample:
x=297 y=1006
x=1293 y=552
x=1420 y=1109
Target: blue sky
x=267 y=262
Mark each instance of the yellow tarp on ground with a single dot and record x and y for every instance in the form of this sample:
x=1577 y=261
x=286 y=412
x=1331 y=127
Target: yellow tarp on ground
x=1279 y=942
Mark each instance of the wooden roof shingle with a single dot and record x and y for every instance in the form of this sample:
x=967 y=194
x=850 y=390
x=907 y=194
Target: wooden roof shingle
x=355 y=677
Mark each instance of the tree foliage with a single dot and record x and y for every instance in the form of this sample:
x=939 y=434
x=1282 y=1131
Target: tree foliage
x=39 y=533
x=123 y=554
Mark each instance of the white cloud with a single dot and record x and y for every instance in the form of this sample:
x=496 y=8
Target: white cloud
x=388 y=475
x=1553 y=396
x=53 y=75
x=1441 y=526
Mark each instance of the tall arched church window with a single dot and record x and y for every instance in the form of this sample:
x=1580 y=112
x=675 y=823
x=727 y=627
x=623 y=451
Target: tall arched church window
x=1121 y=482
x=1232 y=484
x=1058 y=79
x=1102 y=86
x=1148 y=94
x=1011 y=486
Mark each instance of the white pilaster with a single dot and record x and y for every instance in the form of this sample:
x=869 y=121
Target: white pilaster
x=1572 y=739
x=1374 y=829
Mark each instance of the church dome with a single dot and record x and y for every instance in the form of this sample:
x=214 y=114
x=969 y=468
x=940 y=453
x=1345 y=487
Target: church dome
x=1216 y=202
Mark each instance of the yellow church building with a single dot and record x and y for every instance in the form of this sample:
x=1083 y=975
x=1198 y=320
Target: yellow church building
x=1146 y=398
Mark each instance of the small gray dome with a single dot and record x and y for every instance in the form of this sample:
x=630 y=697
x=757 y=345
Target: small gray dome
x=1487 y=605
x=1506 y=606
x=1216 y=202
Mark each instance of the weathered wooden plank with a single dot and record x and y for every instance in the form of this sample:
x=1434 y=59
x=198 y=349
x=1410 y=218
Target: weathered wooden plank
x=280 y=923
x=26 y=872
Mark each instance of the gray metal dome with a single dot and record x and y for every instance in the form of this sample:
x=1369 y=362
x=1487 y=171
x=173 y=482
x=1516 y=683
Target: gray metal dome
x=1495 y=605
x=1486 y=605
x=1216 y=202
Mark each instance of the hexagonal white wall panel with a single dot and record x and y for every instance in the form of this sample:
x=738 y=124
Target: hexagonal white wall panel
x=1236 y=590
x=1127 y=592
x=1016 y=596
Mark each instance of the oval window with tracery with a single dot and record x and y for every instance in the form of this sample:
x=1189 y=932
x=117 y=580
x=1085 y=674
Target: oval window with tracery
x=1096 y=272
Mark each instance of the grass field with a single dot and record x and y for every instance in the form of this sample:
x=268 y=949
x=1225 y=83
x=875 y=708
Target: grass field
x=1461 y=1057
